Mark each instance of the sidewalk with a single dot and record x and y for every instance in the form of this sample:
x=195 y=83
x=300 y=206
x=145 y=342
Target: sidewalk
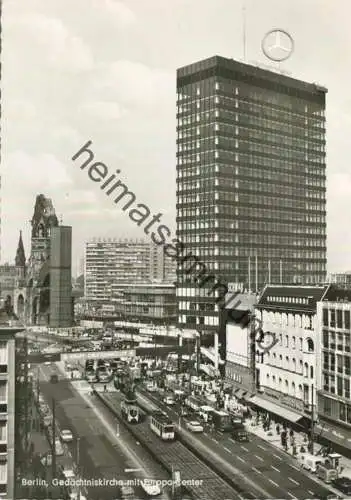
x=301 y=440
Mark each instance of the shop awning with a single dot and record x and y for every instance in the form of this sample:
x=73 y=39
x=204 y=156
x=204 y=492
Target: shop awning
x=333 y=433
x=276 y=409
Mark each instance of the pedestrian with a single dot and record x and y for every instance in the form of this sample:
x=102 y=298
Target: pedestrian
x=105 y=388
x=277 y=429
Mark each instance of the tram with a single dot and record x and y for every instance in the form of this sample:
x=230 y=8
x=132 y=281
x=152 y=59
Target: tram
x=161 y=425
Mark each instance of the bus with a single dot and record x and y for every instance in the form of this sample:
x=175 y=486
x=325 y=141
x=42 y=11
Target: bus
x=130 y=412
x=161 y=425
x=222 y=421
x=194 y=403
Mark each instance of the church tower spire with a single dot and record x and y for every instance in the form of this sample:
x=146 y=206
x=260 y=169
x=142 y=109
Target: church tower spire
x=20 y=260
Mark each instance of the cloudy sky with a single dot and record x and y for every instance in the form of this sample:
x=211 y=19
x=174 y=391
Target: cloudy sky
x=104 y=70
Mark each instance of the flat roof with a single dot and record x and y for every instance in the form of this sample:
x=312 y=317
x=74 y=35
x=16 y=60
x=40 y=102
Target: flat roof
x=254 y=75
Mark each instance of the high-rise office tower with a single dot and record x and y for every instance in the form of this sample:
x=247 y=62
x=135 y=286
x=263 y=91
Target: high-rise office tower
x=251 y=197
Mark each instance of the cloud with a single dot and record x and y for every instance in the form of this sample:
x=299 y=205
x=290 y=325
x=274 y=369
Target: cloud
x=25 y=172
x=19 y=110
x=103 y=109
x=118 y=10
x=135 y=84
x=58 y=48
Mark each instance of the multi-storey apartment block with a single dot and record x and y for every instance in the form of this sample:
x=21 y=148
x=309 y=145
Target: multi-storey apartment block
x=111 y=263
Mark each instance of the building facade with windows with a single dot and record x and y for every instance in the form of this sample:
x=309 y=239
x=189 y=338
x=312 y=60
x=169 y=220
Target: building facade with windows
x=286 y=373
x=148 y=303
x=251 y=202
x=110 y=263
x=334 y=360
x=341 y=280
x=13 y=352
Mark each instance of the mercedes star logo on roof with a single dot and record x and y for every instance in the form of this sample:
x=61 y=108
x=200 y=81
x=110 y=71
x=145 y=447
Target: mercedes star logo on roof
x=277 y=45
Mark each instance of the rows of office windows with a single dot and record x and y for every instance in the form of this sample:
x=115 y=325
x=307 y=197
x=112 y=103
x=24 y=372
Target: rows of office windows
x=336 y=341
x=265 y=252
x=229 y=145
x=230 y=87
x=247 y=173
x=262 y=130
x=336 y=318
x=254 y=103
x=191 y=162
x=337 y=385
x=199 y=224
x=342 y=365
x=248 y=113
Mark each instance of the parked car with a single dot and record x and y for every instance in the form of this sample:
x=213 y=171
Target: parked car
x=59 y=448
x=239 y=433
x=151 y=387
x=343 y=484
x=68 y=474
x=66 y=436
x=91 y=376
x=194 y=426
x=169 y=400
x=46 y=460
x=151 y=488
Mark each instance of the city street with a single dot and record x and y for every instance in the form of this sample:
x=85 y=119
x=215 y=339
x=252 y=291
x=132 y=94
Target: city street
x=101 y=453
x=265 y=465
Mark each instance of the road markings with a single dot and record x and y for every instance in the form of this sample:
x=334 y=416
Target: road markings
x=310 y=492
x=277 y=456
x=227 y=449
x=243 y=447
x=292 y=496
x=273 y=482
x=241 y=459
x=256 y=470
x=215 y=440
x=260 y=458
x=294 y=467
x=262 y=447
x=293 y=481
x=133 y=470
x=275 y=468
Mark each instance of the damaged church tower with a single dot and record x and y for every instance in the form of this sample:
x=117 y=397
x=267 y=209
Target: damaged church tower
x=44 y=291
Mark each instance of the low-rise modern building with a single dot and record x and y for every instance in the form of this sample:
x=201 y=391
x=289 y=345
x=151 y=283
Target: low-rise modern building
x=286 y=372
x=148 y=303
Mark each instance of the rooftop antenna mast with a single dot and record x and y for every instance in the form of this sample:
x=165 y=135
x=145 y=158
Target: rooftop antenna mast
x=244 y=29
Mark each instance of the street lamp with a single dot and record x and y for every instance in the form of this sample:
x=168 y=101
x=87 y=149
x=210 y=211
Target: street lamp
x=78 y=465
